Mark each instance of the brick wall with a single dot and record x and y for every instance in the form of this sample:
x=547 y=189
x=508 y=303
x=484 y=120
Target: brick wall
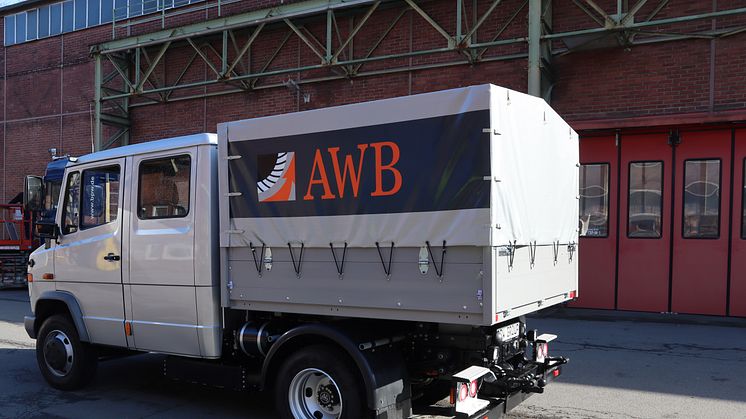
x=46 y=86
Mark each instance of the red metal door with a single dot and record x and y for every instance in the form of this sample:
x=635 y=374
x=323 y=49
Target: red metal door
x=701 y=220
x=738 y=246
x=598 y=207
x=645 y=223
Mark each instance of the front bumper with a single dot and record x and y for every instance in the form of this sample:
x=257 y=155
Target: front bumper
x=28 y=324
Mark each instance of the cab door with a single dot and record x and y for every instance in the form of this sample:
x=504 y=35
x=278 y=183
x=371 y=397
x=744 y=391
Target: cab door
x=88 y=257
x=160 y=287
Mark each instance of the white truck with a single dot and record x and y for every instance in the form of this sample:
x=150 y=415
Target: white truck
x=354 y=261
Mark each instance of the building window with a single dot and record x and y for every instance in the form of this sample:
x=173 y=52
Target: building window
x=71 y=211
x=701 y=199
x=55 y=19
x=31 y=24
x=100 y=202
x=72 y=15
x=20 y=28
x=594 y=200
x=645 y=200
x=43 y=22
x=68 y=16
x=164 y=188
x=10 y=30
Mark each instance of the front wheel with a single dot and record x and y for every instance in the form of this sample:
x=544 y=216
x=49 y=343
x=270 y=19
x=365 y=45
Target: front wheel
x=319 y=383
x=65 y=362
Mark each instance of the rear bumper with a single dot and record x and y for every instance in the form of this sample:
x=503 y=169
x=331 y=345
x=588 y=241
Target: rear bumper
x=501 y=406
x=28 y=324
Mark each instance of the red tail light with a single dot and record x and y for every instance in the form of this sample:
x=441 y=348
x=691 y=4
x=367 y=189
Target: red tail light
x=463 y=392
x=573 y=294
x=473 y=388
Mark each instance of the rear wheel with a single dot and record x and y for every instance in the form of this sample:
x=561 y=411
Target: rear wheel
x=319 y=383
x=65 y=362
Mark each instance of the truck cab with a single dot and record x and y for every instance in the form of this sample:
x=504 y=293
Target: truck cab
x=130 y=253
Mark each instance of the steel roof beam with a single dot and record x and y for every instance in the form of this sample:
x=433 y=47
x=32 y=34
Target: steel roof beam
x=275 y=14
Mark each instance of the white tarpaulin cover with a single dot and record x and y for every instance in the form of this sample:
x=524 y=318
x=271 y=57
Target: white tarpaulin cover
x=474 y=166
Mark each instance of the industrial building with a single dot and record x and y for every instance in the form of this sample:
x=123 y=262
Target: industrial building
x=656 y=88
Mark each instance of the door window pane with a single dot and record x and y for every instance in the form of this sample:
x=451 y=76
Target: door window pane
x=701 y=199
x=100 y=196
x=594 y=200
x=164 y=188
x=72 y=203
x=645 y=199
x=43 y=22
x=31 y=27
x=55 y=19
x=10 y=30
x=68 y=16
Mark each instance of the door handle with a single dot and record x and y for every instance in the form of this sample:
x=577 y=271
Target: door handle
x=111 y=257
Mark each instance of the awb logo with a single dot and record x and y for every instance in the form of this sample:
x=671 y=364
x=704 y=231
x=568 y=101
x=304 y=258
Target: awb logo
x=276 y=177
x=332 y=175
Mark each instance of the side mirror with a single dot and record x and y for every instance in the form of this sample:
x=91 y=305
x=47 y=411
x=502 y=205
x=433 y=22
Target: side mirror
x=47 y=230
x=33 y=193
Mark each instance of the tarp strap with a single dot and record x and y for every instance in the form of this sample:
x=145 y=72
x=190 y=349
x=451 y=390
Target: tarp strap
x=257 y=262
x=386 y=268
x=340 y=266
x=555 y=249
x=532 y=253
x=438 y=271
x=296 y=267
x=511 y=254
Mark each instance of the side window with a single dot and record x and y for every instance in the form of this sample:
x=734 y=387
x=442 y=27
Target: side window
x=100 y=202
x=701 y=199
x=645 y=199
x=594 y=200
x=71 y=211
x=164 y=188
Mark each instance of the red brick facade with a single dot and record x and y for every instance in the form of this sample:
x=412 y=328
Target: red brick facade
x=46 y=88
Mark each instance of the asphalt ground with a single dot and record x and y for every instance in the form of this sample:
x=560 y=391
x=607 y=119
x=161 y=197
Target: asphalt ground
x=621 y=366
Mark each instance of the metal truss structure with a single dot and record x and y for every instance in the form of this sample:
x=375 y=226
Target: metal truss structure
x=125 y=75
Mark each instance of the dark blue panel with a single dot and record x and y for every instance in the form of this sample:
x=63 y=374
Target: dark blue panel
x=55 y=19
x=120 y=9
x=20 y=28
x=149 y=6
x=68 y=16
x=107 y=10
x=31 y=25
x=44 y=22
x=433 y=164
x=94 y=12
x=81 y=15
x=10 y=30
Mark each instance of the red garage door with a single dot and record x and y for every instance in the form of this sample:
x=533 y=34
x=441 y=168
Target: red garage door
x=598 y=205
x=645 y=223
x=737 y=300
x=701 y=223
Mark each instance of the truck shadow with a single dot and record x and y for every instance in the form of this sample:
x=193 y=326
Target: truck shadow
x=132 y=387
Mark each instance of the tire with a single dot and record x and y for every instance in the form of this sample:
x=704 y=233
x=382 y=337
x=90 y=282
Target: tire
x=319 y=382
x=65 y=362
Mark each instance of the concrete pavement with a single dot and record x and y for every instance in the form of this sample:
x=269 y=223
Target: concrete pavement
x=618 y=369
